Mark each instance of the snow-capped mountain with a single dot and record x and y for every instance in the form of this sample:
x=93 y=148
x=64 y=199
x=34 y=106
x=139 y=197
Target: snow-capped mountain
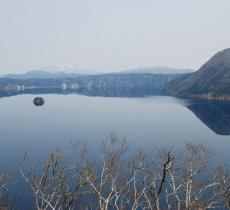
x=67 y=68
x=73 y=71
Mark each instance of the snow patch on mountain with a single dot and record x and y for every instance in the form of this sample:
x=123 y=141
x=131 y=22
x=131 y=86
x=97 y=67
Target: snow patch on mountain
x=67 y=68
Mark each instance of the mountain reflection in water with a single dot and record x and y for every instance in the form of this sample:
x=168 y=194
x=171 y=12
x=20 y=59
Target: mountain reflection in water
x=214 y=114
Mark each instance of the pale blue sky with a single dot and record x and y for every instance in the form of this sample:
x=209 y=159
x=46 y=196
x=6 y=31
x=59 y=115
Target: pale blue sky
x=111 y=34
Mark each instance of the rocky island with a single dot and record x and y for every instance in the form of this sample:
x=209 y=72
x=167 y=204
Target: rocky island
x=38 y=101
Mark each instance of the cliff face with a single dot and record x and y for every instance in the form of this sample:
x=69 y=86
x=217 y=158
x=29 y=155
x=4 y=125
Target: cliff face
x=211 y=80
x=155 y=82
x=104 y=84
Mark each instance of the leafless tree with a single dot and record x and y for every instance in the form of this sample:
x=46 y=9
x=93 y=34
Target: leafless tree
x=192 y=183
x=153 y=172
x=58 y=186
x=106 y=179
x=5 y=204
x=115 y=181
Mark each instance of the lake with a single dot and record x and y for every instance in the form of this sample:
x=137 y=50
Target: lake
x=148 y=123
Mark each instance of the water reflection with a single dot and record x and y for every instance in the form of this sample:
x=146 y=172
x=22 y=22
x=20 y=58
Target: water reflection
x=214 y=114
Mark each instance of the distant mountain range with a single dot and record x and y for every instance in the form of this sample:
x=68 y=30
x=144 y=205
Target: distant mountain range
x=41 y=74
x=212 y=80
x=72 y=71
x=156 y=70
x=53 y=72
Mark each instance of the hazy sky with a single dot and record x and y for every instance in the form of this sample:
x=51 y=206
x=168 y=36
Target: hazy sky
x=111 y=34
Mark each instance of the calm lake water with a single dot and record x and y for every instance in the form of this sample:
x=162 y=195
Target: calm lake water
x=148 y=123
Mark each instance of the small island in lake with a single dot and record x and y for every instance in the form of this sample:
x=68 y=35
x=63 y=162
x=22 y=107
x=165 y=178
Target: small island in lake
x=38 y=101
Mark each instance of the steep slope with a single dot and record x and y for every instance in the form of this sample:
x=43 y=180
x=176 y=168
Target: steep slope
x=212 y=80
